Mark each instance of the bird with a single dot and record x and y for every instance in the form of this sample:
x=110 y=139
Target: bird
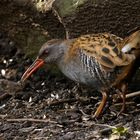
x=102 y=61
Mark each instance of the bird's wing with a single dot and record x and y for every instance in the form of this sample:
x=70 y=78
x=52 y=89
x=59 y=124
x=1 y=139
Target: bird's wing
x=103 y=48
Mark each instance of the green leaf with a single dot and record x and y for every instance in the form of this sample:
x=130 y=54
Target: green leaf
x=119 y=130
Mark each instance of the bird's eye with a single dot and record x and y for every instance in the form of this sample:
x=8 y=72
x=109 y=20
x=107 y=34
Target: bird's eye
x=44 y=53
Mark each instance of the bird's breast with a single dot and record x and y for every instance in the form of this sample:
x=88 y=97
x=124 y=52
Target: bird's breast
x=75 y=71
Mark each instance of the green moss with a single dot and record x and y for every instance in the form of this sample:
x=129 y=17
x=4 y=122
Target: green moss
x=30 y=42
x=34 y=42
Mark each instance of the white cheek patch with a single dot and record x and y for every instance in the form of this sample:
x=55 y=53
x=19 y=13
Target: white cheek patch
x=126 y=48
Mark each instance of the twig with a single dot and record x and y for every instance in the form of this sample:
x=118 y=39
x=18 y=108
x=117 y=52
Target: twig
x=30 y=120
x=68 y=101
x=4 y=96
x=127 y=103
x=116 y=97
x=3 y=116
x=62 y=101
x=137 y=93
x=40 y=138
x=135 y=111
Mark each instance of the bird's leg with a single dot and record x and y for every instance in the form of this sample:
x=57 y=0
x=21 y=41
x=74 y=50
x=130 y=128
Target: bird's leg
x=123 y=88
x=123 y=96
x=102 y=104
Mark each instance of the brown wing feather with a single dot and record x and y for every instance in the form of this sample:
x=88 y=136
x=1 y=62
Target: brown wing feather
x=105 y=48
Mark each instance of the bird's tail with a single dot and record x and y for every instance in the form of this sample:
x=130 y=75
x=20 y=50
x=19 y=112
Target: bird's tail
x=131 y=44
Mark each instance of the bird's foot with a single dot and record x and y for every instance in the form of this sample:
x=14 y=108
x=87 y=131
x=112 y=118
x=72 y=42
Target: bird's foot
x=101 y=106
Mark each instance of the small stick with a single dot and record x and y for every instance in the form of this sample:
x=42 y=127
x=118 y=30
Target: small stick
x=135 y=111
x=127 y=103
x=133 y=94
x=30 y=120
x=129 y=95
x=68 y=101
x=3 y=116
x=3 y=96
x=62 y=101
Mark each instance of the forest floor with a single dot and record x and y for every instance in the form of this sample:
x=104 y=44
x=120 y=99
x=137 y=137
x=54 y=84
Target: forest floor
x=51 y=107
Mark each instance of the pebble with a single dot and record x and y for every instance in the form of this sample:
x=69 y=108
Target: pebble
x=12 y=44
x=2 y=106
x=3 y=72
x=30 y=99
x=69 y=136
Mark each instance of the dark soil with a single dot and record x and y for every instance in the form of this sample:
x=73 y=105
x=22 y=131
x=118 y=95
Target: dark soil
x=51 y=107
x=119 y=17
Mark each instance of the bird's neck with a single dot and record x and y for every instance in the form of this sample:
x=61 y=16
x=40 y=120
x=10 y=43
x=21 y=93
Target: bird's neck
x=59 y=52
x=67 y=44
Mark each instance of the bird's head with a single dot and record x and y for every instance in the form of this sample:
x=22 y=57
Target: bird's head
x=49 y=53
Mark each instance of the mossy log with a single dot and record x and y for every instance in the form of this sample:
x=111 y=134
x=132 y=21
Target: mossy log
x=23 y=22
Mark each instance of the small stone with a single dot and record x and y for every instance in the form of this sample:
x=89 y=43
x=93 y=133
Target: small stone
x=4 y=61
x=3 y=72
x=26 y=130
x=2 y=106
x=42 y=84
x=44 y=116
x=12 y=44
x=30 y=99
x=10 y=60
x=69 y=136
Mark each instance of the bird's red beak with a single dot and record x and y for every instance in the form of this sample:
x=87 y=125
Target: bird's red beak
x=36 y=64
